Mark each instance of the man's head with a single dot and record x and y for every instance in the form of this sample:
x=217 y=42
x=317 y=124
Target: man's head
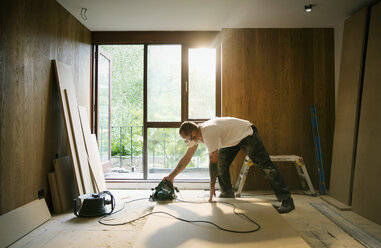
x=188 y=130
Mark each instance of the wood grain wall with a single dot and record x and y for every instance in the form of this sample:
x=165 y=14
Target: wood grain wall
x=32 y=33
x=271 y=77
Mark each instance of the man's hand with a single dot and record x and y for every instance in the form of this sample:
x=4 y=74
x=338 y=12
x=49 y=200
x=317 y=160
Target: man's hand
x=212 y=193
x=169 y=179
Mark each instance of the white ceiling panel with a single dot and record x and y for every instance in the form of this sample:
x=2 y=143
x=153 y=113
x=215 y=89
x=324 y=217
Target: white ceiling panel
x=185 y=15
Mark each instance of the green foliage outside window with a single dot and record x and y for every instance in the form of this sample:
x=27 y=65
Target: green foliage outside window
x=164 y=144
x=126 y=99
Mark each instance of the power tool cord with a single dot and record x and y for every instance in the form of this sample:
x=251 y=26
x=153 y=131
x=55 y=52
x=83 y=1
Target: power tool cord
x=181 y=219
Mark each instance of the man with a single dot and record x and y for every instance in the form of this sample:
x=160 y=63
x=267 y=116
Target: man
x=224 y=137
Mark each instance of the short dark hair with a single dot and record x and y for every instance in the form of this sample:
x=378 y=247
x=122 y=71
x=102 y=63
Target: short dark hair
x=187 y=127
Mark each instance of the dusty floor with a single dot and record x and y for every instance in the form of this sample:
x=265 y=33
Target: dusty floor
x=66 y=230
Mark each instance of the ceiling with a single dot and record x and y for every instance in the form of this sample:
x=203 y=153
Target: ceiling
x=186 y=15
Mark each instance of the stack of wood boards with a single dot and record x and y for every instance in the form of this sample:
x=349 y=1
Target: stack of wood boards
x=85 y=157
x=356 y=170
x=93 y=152
x=348 y=103
x=62 y=185
x=164 y=231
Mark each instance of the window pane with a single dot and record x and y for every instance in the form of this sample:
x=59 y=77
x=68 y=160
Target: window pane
x=202 y=83
x=164 y=83
x=127 y=111
x=165 y=149
x=104 y=107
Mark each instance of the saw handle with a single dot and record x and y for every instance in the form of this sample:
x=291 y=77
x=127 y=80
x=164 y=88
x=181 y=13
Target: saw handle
x=75 y=208
x=168 y=183
x=111 y=201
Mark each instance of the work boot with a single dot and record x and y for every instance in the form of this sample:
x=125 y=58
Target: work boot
x=286 y=206
x=227 y=194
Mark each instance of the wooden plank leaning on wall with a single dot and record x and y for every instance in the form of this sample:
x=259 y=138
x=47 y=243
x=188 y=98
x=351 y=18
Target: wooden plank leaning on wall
x=348 y=103
x=366 y=199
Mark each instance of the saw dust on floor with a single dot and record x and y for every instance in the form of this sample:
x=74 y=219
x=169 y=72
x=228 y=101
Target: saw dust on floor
x=66 y=230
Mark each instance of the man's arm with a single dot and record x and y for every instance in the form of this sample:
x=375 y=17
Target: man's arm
x=213 y=171
x=184 y=161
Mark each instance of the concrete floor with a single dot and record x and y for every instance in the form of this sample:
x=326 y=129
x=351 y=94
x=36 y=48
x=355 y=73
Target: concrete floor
x=66 y=230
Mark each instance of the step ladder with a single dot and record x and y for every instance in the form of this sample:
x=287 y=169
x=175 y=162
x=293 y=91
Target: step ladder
x=299 y=165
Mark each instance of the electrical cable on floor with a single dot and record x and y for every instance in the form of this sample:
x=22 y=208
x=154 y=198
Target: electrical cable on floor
x=100 y=220
x=119 y=210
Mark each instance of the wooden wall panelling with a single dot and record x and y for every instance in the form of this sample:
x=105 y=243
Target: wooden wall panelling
x=324 y=93
x=366 y=199
x=11 y=117
x=233 y=68
x=271 y=77
x=294 y=80
x=31 y=126
x=348 y=102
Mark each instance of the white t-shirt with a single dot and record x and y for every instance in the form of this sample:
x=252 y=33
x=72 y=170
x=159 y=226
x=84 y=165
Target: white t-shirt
x=221 y=132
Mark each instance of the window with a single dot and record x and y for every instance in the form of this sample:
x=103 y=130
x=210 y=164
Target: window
x=202 y=83
x=154 y=88
x=164 y=83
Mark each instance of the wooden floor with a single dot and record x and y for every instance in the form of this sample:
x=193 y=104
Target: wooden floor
x=66 y=230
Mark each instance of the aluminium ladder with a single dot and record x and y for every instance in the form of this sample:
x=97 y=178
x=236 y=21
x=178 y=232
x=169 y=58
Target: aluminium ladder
x=299 y=165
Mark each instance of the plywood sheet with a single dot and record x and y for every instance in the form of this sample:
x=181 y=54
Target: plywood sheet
x=54 y=193
x=65 y=182
x=366 y=199
x=337 y=204
x=96 y=163
x=348 y=100
x=64 y=80
x=92 y=151
x=17 y=223
x=79 y=141
x=89 y=238
x=167 y=232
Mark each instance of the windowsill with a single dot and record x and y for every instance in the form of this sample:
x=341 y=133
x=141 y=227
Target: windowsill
x=152 y=183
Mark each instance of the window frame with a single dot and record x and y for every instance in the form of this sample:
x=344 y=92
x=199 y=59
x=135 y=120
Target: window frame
x=187 y=40
x=97 y=51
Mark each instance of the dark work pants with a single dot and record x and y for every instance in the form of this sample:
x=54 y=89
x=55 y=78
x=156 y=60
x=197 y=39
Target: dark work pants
x=253 y=147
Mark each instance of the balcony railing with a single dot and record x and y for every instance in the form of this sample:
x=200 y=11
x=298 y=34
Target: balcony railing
x=165 y=148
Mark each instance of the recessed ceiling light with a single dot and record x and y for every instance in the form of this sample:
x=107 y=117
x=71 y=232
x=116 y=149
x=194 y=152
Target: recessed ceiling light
x=308 y=8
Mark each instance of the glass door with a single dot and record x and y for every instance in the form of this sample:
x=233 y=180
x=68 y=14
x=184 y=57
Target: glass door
x=104 y=107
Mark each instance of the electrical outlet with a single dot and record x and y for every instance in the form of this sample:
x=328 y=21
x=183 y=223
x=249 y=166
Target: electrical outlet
x=41 y=194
